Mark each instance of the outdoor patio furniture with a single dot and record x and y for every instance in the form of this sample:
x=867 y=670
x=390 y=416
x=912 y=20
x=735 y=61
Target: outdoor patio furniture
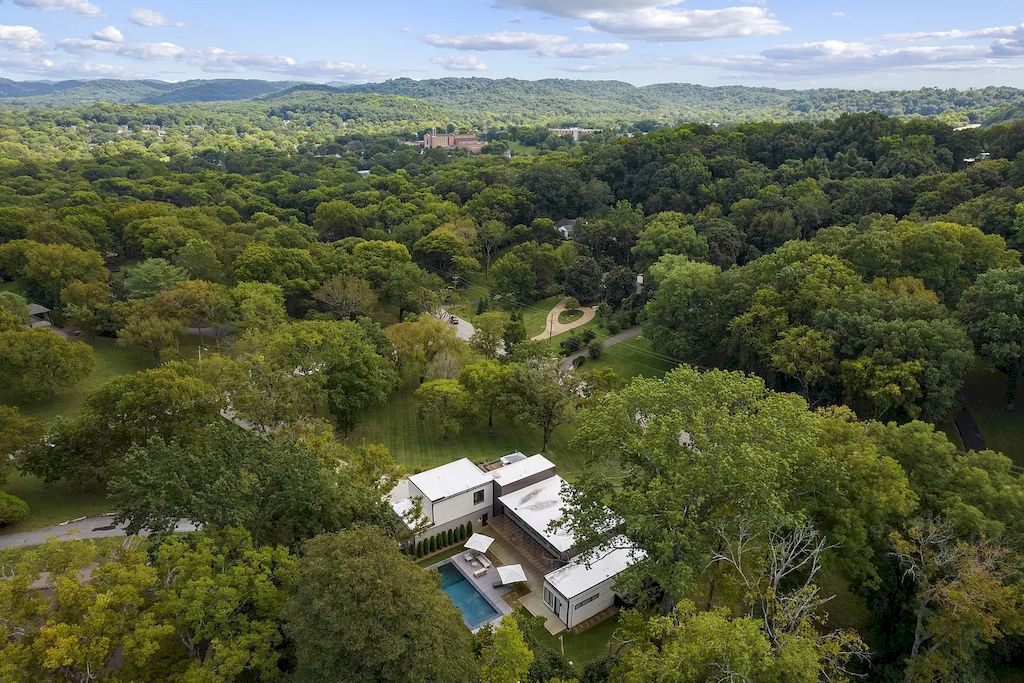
x=468 y=557
x=480 y=572
x=485 y=562
x=475 y=563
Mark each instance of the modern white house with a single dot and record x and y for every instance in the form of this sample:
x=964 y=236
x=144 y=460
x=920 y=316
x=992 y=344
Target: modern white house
x=448 y=496
x=526 y=495
x=585 y=586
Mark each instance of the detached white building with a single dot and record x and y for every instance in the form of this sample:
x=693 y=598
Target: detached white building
x=527 y=492
x=584 y=587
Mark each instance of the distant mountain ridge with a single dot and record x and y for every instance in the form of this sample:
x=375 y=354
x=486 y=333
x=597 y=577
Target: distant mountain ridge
x=555 y=100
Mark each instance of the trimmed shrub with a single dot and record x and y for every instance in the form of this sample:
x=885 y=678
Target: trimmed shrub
x=419 y=548
x=469 y=528
x=12 y=509
x=451 y=536
x=462 y=532
x=595 y=351
x=578 y=361
x=432 y=544
x=587 y=336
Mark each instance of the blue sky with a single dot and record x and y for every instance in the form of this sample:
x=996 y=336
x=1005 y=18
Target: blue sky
x=788 y=43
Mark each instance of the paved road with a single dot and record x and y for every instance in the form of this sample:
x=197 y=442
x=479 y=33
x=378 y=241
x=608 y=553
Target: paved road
x=99 y=526
x=553 y=328
x=617 y=338
x=463 y=329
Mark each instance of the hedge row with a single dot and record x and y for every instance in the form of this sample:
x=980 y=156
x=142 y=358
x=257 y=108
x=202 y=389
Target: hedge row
x=442 y=540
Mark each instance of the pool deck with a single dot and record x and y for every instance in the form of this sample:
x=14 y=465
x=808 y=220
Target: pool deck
x=484 y=585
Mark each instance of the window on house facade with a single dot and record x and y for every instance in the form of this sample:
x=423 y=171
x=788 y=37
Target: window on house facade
x=589 y=600
x=478 y=497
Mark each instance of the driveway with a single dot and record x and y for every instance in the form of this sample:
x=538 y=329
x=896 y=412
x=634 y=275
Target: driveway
x=553 y=328
x=98 y=526
x=618 y=338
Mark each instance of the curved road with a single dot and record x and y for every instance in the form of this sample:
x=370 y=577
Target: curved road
x=553 y=328
x=98 y=526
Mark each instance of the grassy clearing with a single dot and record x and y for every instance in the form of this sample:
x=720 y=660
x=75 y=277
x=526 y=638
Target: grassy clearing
x=51 y=504
x=984 y=396
x=111 y=360
x=582 y=648
x=632 y=358
x=417 y=445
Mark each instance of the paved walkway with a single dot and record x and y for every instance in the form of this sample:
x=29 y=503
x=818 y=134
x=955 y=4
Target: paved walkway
x=618 y=338
x=99 y=526
x=970 y=433
x=553 y=328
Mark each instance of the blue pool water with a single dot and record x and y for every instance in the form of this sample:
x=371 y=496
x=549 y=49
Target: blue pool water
x=476 y=611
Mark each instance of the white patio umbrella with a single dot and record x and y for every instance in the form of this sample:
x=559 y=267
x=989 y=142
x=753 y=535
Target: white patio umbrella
x=511 y=573
x=479 y=543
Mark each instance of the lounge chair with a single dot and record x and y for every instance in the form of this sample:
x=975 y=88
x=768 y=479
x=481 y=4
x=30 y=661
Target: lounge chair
x=485 y=562
x=468 y=556
x=480 y=572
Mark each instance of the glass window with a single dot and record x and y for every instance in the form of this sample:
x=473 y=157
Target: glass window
x=589 y=600
x=478 y=497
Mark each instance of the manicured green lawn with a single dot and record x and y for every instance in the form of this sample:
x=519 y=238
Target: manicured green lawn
x=417 y=445
x=566 y=317
x=55 y=503
x=111 y=360
x=535 y=315
x=984 y=396
x=631 y=358
x=582 y=648
x=50 y=504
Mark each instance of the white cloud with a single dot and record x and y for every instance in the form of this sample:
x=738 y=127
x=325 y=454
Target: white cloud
x=151 y=18
x=219 y=60
x=957 y=34
x=45 y=67
x=21 y=37
x=585 y=29
x=839 y=15
x=585 y=50
x=501 y=40
x=659 y=24
x=579 y=8
x=661 y=21
x=110 y=34
x=460 y=63
x=831 y=57
x=78 y=6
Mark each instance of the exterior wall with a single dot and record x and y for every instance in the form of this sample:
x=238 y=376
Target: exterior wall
x=461 y=505
x=428 y=509
x=515 y=486
x=571 y=615
x=475 y=517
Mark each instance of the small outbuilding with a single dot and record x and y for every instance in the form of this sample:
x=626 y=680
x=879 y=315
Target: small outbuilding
x=38 y=316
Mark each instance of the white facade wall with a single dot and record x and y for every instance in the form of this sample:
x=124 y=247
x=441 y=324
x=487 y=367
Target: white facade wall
x=428 y=509
x=571 y=611
x=462 y=505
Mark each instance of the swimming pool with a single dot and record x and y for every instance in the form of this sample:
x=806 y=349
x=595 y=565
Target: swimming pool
x=476 y=611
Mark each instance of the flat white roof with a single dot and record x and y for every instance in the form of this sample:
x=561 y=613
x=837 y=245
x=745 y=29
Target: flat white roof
x=520 y=470
x=538 y=505
x=609 y=560
x=448 y=480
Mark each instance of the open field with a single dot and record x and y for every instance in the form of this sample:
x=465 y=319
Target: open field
x=416 y=445
x=631 y=358
x=984 y=396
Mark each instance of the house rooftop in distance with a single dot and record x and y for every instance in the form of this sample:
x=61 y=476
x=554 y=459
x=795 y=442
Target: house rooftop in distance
x=521 y=469
x=447 y=480
x=537 y=506
x=607 y=561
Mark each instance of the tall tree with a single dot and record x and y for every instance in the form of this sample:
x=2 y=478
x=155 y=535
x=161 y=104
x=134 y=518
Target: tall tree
x=361 y=611
x=992 y=310
x=541 y=393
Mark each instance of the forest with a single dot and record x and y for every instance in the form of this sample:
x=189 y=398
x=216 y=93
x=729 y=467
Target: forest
x=252 y=302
